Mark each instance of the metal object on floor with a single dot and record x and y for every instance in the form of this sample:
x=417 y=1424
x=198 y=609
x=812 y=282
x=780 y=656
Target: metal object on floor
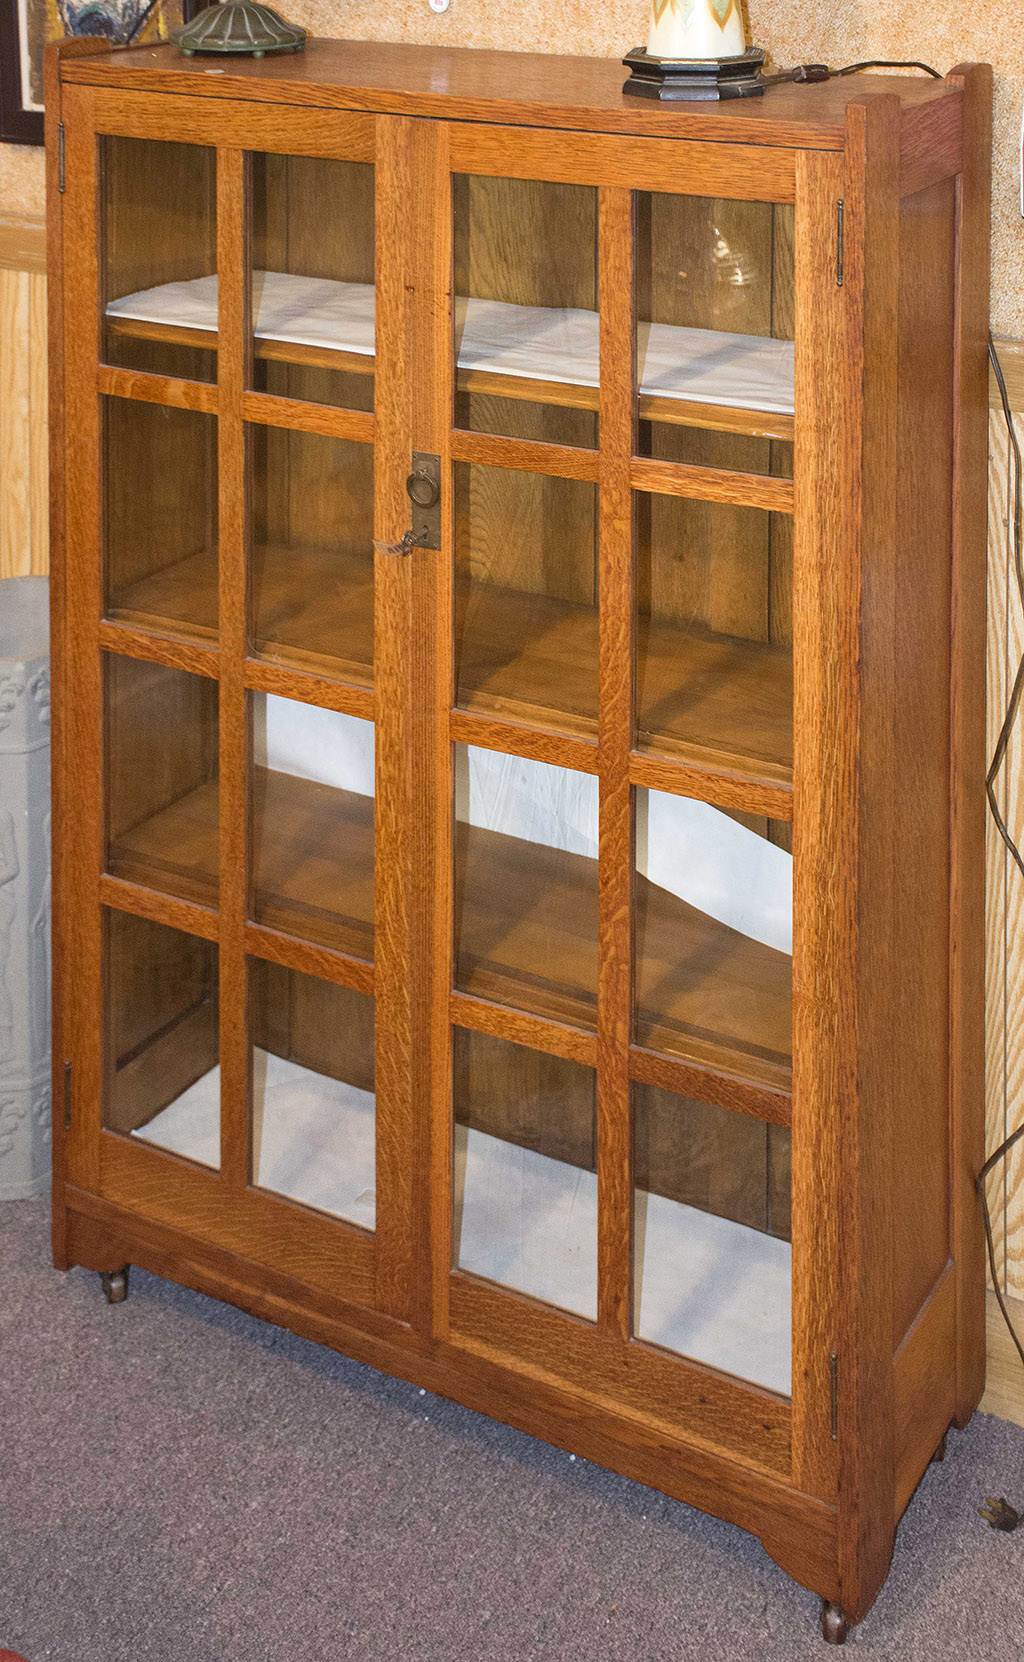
x=833 y=1623
x=115 y=1284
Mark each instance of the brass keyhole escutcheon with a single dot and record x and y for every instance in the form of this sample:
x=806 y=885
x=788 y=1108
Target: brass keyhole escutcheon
x=422 y=489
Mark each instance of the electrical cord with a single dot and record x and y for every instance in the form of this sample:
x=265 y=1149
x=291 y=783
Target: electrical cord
x=809 y=72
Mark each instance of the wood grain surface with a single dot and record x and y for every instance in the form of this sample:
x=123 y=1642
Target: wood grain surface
x=589 y=557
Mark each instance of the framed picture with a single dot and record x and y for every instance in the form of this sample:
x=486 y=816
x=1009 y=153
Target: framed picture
x=27 y=25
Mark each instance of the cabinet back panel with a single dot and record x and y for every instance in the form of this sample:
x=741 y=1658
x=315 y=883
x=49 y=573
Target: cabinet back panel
x=160 y=501
x=319 y=1025
x=161 y=1030
x=314 y=216
x=159 y=212
x=523 y=531
x=161 y=739
x=526 y=242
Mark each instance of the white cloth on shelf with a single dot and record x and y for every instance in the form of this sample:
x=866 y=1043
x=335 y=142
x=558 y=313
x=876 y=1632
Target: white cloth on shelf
x=537 y=343
x=707 y=1287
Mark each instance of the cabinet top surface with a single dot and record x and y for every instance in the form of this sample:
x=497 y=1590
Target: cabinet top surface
x=517 y=87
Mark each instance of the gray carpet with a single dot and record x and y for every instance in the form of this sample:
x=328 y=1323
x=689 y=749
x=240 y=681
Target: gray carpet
x=182 y=1483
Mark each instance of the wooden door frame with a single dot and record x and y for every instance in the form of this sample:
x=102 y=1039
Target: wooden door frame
x=466 y=1313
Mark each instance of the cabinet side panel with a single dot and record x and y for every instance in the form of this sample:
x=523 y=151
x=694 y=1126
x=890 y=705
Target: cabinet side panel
x=967 y=874
x=919 y=1037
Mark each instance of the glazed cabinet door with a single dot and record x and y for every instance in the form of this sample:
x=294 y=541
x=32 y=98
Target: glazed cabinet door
x=614 y=1102
x=222 y=883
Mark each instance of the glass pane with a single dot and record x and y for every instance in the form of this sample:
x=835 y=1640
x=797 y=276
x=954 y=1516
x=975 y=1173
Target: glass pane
x=313 y=1130
x=158 y=283
x=312 y=552
x=526 y=327
x=525 y=1184
x=715 y=288
x=160 y=517
x=526 y=597
x=161 y=778
x=526 y=884
x=312 y=279
x=714 y=590
x=162 y=1079
x=312 y=823
x=713 y=934
x=712 y=1218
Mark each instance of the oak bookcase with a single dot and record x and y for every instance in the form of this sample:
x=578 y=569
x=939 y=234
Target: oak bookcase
x=532 y=940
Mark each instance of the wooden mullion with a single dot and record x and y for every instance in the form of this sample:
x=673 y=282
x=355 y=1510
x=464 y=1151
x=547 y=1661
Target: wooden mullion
x=712 y=484
x=186 y=915
x=168 y=390
x=743 y=1096
x=411 y=895
x=536 y=743
x=557 y=461
x=554 y=1038
x=297 y=416
x=235 y=337
x=615 y=735
x=432 y=431
x=152 y=648
x=260 y=676
x=322 y=961
x=723 y=790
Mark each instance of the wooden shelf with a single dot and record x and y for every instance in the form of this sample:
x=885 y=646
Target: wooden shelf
x=670 y=412
x=526 y=936
x=676 y=412
x=704 y=699
x=312 y=608
x=175 y=850
x=707 y=700
x=181 y=598
x=527 y=931
x=312 y=861
x=276 y=351
x=312 y=858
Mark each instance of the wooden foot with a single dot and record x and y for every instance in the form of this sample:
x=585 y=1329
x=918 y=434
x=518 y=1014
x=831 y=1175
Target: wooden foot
x=115 y=1284
x=833 y=1623
x=940 y=1452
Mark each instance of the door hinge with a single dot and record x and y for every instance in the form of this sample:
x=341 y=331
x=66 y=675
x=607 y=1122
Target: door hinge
x=840 y=216
x=833 y=1386
x=67 y=1096
x=60 y=157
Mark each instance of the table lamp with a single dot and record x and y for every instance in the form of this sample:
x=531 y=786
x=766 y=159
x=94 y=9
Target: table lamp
x=696 y=49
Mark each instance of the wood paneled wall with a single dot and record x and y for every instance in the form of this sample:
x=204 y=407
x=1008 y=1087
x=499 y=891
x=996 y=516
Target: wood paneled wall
x=24 y=530
x=24 y=551
x=1004 y=996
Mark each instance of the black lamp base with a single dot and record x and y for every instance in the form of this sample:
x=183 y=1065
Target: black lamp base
x=697 y=80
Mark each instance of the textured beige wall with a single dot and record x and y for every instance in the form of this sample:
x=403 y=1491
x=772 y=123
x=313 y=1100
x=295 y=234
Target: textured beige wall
x=943 y=32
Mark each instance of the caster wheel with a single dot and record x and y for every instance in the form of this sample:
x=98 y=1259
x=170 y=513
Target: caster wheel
x=115 y=1284
x=940 y=1452
x=833 y=1623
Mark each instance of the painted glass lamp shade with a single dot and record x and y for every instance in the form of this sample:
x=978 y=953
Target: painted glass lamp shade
x=696 y=29
x=696 y=50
